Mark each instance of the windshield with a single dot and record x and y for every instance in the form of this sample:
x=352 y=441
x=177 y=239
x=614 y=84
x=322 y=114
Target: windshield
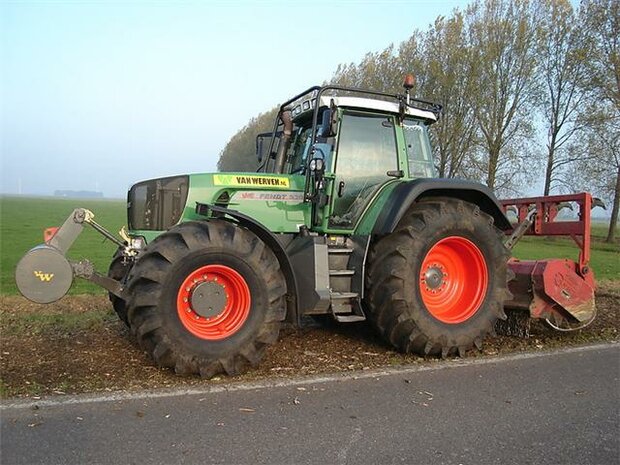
x=419 y=155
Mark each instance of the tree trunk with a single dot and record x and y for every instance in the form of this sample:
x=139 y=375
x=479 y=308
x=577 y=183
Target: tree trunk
x=550 y=161
x=492 y=167
x=548 y=172
x=613 y=222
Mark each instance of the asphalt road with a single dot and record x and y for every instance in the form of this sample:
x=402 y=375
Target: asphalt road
x=558 y=408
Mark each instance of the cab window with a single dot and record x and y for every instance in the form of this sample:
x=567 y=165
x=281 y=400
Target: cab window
x=419 y=154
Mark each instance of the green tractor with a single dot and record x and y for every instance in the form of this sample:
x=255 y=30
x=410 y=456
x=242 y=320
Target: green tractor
x=344 y=218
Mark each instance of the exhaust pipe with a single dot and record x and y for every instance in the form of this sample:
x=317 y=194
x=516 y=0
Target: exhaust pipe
x=284 y=143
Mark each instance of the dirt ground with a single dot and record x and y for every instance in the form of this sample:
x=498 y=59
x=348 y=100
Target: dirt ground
x=78 y=345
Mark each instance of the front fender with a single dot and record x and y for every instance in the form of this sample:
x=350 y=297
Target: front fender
x=206 y=211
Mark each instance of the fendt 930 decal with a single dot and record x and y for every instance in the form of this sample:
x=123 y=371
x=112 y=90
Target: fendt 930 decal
x=271 y=196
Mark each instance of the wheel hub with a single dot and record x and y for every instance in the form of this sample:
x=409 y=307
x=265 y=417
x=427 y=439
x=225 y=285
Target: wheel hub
x=208 y=299
x=434 y=277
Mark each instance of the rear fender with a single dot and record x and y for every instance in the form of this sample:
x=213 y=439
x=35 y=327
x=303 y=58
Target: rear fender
x=407 y=193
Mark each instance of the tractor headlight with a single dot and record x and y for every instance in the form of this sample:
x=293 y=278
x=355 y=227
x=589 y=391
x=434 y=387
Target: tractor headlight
x=137 y=243
x=316 y=164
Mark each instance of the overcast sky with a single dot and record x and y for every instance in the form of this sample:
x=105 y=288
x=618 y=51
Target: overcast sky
x=99 y=95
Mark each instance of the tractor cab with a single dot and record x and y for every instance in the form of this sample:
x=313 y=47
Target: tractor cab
x=348 y=147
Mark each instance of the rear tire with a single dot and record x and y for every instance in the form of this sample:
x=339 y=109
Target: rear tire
x=206 y=298
x=437 y=284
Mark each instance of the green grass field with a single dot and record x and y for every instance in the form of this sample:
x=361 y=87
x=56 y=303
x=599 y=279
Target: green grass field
x=23 y=219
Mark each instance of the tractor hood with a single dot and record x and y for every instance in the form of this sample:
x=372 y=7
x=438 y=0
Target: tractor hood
x=274 y=200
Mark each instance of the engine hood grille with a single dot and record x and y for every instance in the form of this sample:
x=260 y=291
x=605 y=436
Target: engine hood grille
x=157 y=204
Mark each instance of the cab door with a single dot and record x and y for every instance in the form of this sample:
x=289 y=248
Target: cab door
x=366 y=152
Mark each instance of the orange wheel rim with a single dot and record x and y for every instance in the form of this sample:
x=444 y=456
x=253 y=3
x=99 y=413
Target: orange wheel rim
x=213 y=302
x=453 y=279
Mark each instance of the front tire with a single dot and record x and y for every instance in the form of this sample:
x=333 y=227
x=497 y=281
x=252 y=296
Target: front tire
x=437 y=284
x=206 y=298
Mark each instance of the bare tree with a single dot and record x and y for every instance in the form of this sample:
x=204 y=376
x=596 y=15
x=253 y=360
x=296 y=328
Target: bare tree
x=564 y=70
x=449 y=78
x=505 y=36
x=601 y=22
x=598 y=169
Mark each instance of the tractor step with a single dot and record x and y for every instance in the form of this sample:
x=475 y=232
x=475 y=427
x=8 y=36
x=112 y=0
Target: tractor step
x=341 y=272
x=345 y=303
x=349 y=318
x=340 y=250
x=346 y=307
x=343 y=295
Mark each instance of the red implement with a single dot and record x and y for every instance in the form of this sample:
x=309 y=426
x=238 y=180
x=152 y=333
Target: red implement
x=560 y=291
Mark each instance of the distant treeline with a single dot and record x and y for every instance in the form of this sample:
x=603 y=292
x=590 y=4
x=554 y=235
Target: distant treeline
x=78 y=194
x=530 y=92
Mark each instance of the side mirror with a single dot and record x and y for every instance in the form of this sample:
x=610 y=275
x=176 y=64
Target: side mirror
x=329 y=122
x=263 y=141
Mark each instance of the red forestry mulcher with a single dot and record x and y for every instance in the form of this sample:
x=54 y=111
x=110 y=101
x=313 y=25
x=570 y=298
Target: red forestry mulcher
x=559 y=291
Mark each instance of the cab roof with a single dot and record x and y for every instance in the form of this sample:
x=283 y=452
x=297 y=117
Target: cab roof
x=383 y=106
